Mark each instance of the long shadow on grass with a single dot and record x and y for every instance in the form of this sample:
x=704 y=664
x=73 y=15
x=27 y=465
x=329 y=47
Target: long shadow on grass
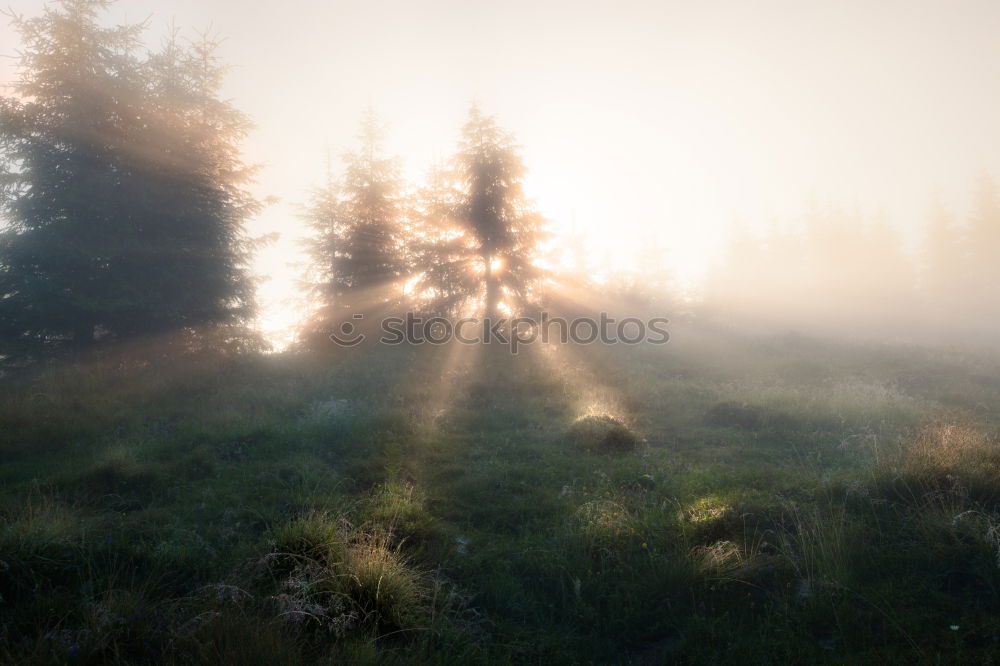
x=532 y=520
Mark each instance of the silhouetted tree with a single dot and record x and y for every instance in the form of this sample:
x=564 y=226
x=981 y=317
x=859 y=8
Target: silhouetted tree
x=358 y=250
x=443 y=255
x=945 y=266
x=122 y=187
x=484 y=231
x=983 y=250
x=195 y=195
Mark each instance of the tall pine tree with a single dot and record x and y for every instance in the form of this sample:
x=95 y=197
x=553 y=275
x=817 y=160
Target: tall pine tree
x=123 y=189
x=358 y=251
x=983 y=250
x=483 y=232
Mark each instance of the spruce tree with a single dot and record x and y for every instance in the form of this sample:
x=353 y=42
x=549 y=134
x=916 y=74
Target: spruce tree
x=124 y=194
x=359 y=222
x=486 y=230
x=983 y=249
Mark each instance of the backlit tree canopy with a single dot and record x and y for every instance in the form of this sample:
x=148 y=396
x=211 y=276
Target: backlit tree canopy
x=480 y=233
x=123 y=189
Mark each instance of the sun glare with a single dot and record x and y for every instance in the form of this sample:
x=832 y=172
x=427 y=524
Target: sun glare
x=497 y=266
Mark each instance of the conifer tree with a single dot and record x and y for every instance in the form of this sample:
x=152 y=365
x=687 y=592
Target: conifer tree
x=123 y=188
x=359 y=221
x=484 y=231
x=983 y=249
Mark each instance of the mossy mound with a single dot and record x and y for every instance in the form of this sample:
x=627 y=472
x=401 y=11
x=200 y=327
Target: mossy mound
x=602 y=434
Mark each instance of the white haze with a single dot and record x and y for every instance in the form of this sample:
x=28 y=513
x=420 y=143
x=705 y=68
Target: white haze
x=644 y=124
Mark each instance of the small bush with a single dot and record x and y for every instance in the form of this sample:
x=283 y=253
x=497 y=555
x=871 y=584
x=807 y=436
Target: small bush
x=602 y=434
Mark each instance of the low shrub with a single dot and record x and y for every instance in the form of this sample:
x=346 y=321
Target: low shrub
x=602 y=434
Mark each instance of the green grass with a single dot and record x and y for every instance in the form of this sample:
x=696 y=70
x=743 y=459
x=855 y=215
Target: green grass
x=725 y=499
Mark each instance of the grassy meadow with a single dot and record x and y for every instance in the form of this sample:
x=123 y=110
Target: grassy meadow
x=725 y=498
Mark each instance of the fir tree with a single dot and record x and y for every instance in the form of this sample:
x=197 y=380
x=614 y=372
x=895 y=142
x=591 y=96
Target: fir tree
x=124 y=190
x=484 y=230
x=357 y=251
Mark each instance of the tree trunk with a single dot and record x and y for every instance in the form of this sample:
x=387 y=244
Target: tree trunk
x=491 y=287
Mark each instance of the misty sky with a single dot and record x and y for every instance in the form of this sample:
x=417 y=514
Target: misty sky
x=642 y=122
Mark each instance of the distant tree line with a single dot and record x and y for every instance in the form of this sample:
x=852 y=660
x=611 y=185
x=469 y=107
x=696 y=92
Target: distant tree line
x=842 y=272
x=124 y=197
